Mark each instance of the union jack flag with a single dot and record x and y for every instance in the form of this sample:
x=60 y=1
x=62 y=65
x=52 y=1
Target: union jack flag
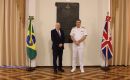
x=106 y=45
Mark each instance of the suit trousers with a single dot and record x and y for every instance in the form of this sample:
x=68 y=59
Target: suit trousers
x=57 y=54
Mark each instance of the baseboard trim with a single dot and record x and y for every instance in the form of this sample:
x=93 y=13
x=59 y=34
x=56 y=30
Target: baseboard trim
x=79 y=66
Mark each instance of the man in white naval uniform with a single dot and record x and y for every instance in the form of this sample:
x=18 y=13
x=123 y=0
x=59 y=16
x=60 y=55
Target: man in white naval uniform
x=78 y=35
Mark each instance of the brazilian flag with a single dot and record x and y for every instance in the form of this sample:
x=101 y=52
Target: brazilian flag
x=31 y=40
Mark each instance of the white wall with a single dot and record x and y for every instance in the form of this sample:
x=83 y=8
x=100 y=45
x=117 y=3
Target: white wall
x=92 y=14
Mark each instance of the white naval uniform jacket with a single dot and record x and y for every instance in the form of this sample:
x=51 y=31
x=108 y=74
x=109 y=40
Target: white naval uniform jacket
x=78 y=33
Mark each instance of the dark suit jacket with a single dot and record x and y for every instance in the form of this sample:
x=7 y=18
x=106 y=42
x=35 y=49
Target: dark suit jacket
x=56 y=39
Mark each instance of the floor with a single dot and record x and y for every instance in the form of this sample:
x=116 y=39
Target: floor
x=46 y=73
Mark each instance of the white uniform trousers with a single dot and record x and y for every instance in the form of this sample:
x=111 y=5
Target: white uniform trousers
x=77 y=54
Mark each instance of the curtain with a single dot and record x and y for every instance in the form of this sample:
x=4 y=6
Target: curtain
x=120 y=12
x=12 y=33
x=128 y=24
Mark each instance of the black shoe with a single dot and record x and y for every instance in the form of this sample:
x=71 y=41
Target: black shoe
x=61 y=70
x=55 y=71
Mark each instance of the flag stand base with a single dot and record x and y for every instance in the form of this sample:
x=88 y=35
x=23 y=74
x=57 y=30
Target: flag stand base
x=30 y=69
x=105 y=68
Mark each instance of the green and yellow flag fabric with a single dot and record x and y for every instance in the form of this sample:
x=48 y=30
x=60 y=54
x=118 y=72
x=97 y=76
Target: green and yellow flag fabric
x=31 y=42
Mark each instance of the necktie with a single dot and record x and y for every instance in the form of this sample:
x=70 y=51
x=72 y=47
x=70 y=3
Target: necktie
x=59 y=33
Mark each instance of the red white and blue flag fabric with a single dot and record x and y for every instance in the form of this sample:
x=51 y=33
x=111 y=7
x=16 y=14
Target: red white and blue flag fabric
x=106 y=44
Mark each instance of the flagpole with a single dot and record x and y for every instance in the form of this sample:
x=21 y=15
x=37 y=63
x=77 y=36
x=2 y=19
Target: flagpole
x=30 y=68
x=106 y=48
x=106 y=57
x=106 y=68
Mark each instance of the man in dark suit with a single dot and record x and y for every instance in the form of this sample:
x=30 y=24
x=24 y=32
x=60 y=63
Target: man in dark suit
x=57 y=37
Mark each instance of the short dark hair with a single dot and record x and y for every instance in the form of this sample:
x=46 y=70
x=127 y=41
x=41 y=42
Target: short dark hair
x=78 y=20
x=57 y=22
